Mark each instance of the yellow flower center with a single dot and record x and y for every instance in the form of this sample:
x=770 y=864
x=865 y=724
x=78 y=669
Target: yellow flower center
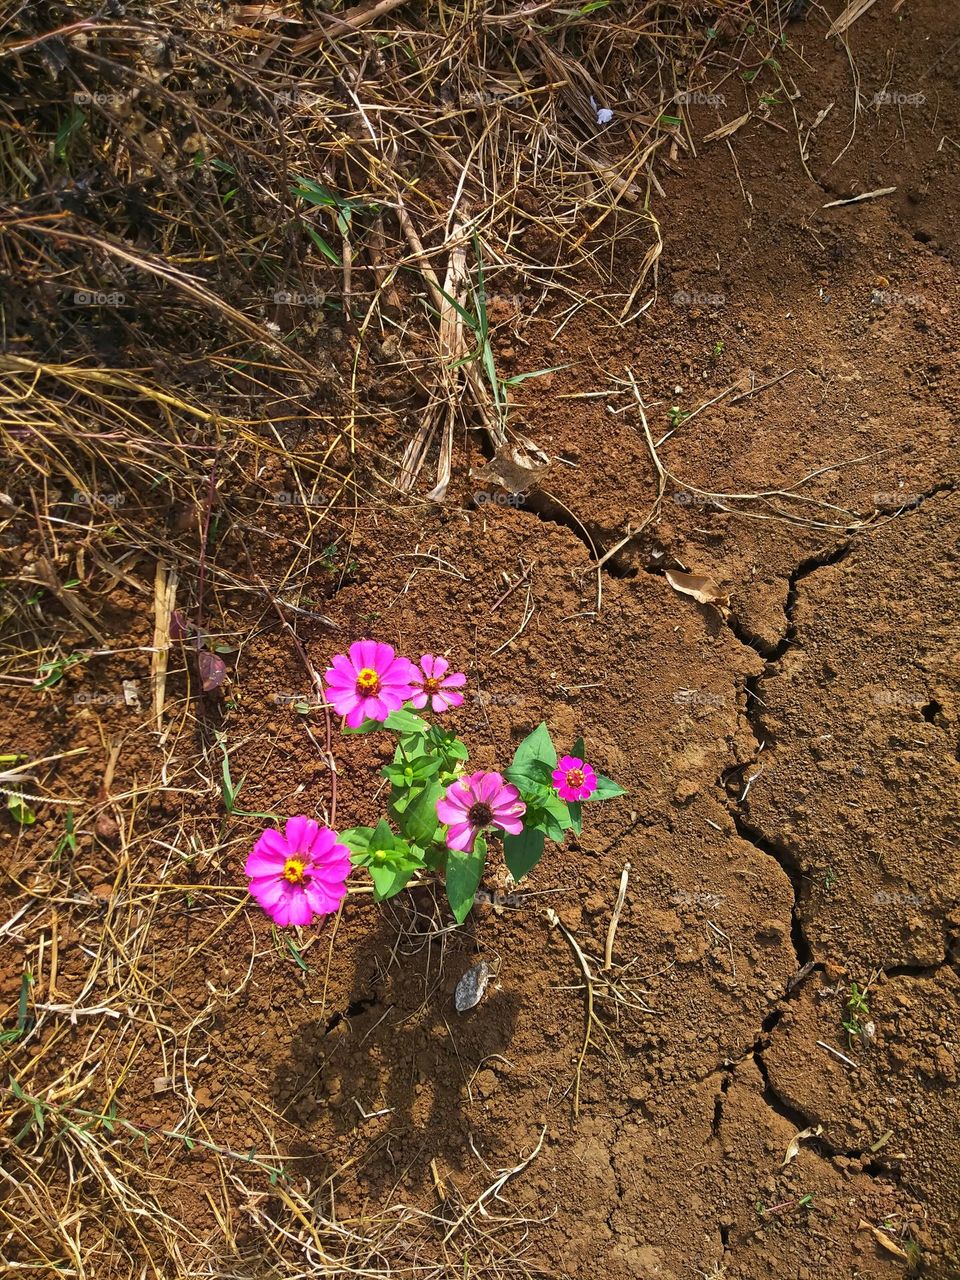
x=368 y=682
x=293 y=870
x=431 y=685
x=575 y=778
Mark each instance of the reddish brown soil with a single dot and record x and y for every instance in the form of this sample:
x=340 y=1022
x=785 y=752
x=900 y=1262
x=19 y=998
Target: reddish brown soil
x=792 y=766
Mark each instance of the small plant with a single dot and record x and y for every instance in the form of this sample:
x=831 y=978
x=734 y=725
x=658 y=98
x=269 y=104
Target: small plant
x=69 y=838
x=51 y=673
x=717 y=351
x=829 y=878
x=25 y=1019
x=857 y=1012
x=677 y=416
x=784 y=1207
x=229 y=791
x=478 y=323
x=441 y=817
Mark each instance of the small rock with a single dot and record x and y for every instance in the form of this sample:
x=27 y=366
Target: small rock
x=775 y=930
x=485 y=1083
x=471 y=987
x=946 y=1067
x=685 y=790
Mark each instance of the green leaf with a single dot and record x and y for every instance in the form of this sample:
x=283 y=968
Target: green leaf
x=324 y=248
x=411 y=772
x=448 y=744
x=404 y=721
x=420 y=820
x=535 y=759
x=555 y=816
x=576 y=815
x=607 y=789
x=464 y=871
x=537 y=745
x=469 y=319
x=382 y=837
x=20 y=811
x=390 y=877
x=368 y=726
x=523 y=852
x=68 y=127
x=400 y=801
x=357 y=839
x=531 y=776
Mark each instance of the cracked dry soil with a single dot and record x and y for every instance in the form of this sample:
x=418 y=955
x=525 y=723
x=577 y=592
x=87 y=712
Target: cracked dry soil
x=792 y=762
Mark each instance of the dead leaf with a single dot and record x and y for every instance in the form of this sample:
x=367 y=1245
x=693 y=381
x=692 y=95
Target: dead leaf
x=725 y=130
x=793 y=1150
x=703 y=590
x=884 y=1241
x=515 y=469
x=213 y=670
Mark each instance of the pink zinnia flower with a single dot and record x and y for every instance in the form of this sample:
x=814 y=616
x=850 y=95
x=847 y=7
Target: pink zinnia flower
x=299 y=874
x=370 y=683
x=435 y=686
x=476 y=801
x=574 y=779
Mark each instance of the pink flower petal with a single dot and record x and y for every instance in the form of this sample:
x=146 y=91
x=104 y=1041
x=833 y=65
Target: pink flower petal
x=299 y=833
x=400 y=674
x=450 y=811
x=271 y=841
x=299 y=910
x=461 y=835
x=342 y=666
x=426 y=664
x=444 y=701
x=323 y=901
x=383 y=656
x=269 y=891
x=263 y=862
x=419 y=700
x=440 y=665
x=340 y=679
x=356 y=715
x=343 y=701
x=487 y=787
x=356 y=651
x=454 y=681
x=379 y=708
x=513 y=826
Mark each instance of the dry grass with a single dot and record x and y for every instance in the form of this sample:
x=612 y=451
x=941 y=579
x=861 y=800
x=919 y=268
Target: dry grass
x=282 y=225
